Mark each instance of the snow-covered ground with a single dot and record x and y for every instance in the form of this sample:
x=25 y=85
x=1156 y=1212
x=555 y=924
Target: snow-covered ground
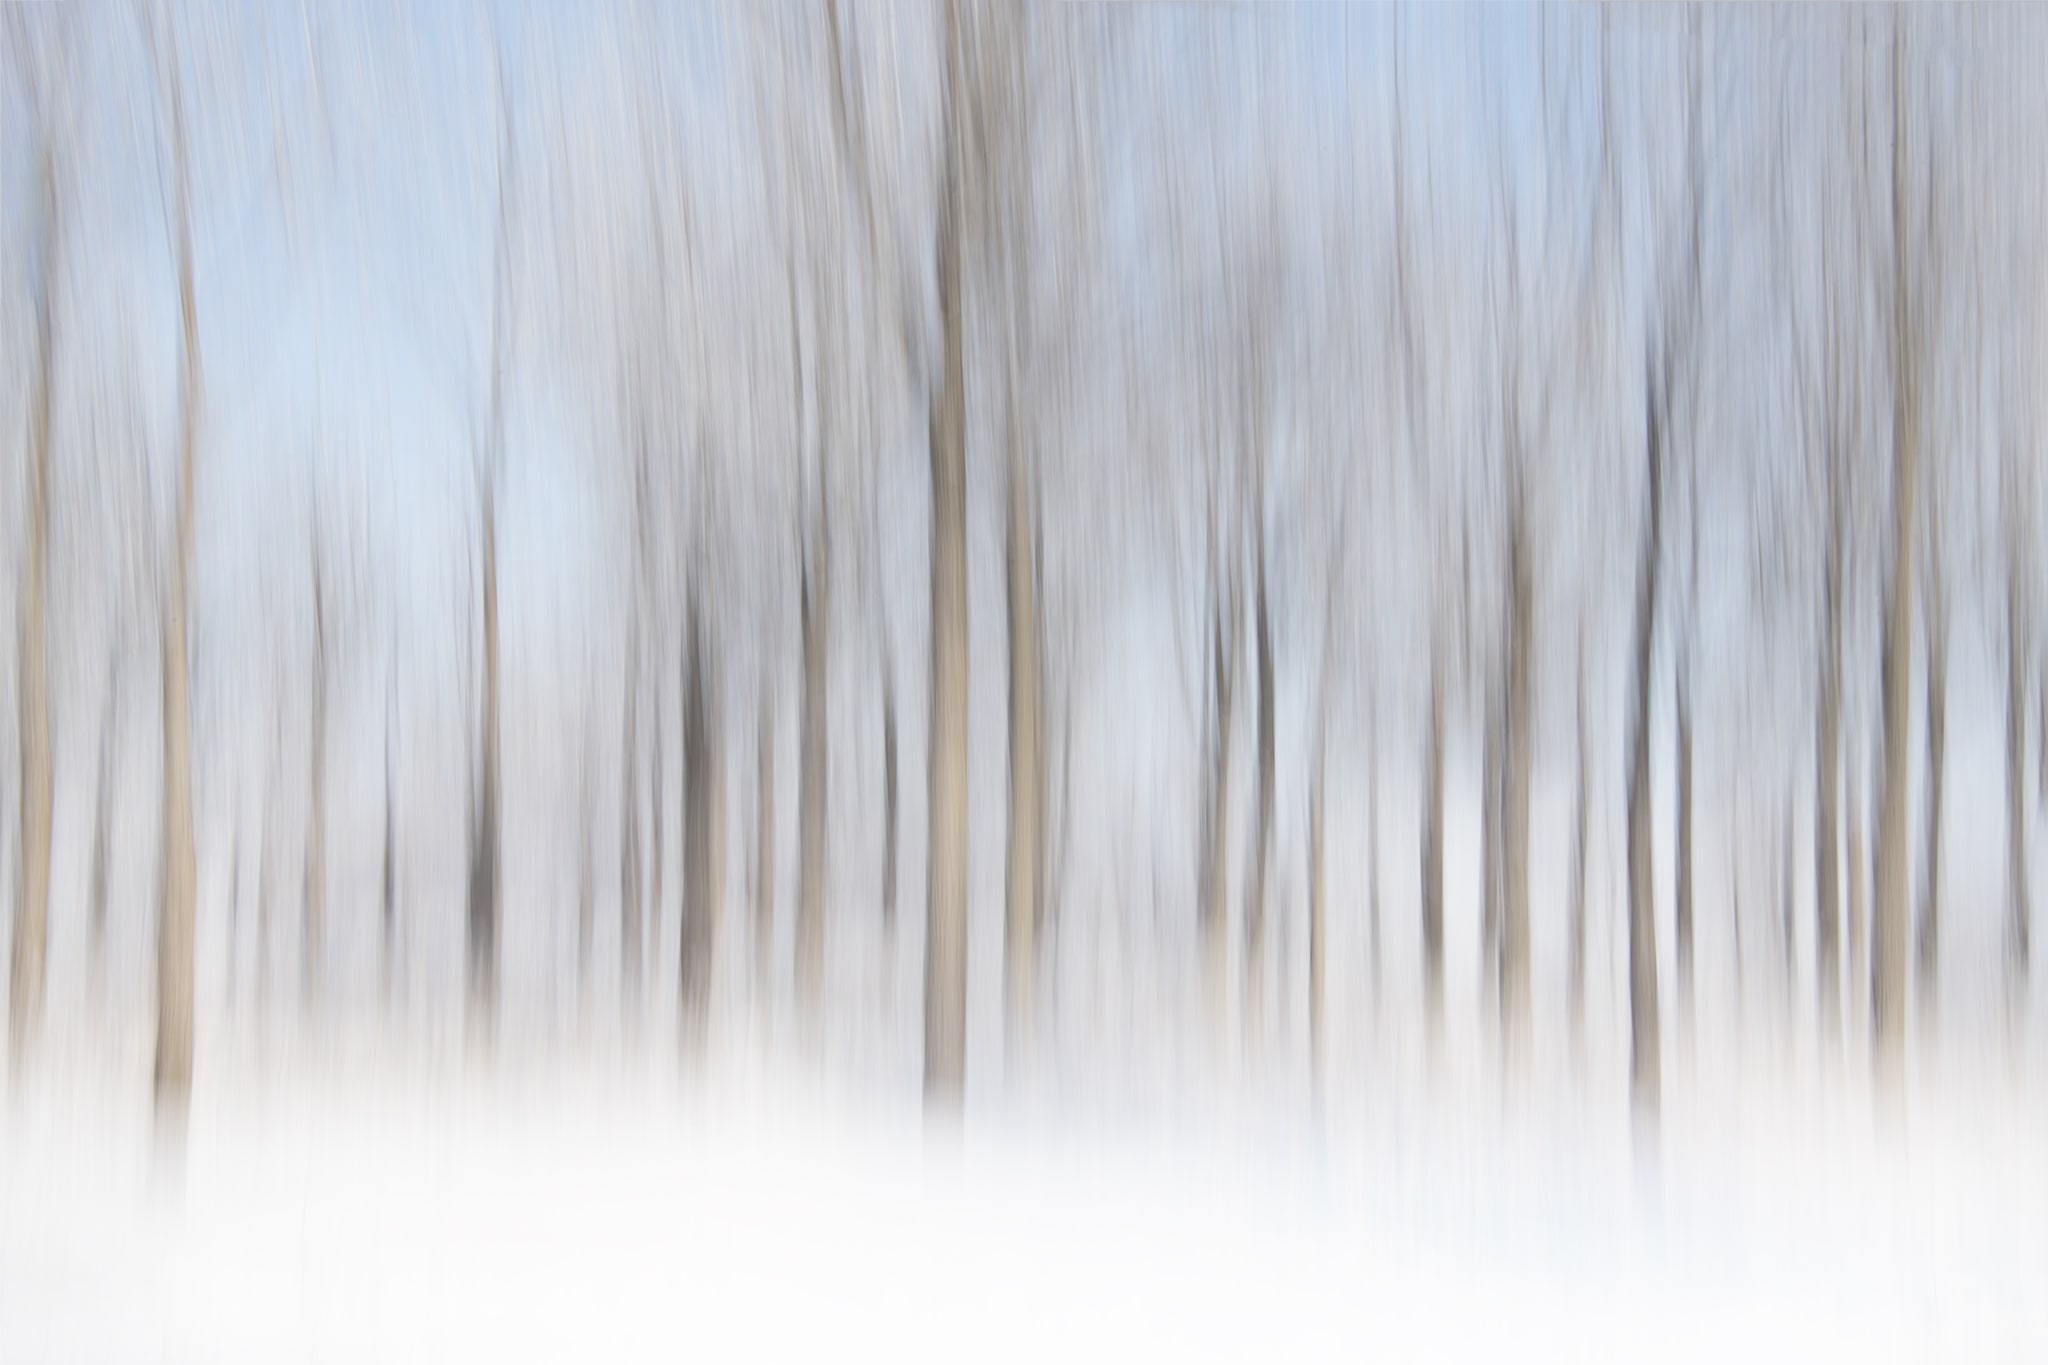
x=576 y=1210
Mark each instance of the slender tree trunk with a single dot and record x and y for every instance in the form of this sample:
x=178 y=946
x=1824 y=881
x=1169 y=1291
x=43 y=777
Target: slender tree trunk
x=945 y=977
x=1256 y=928
x=1575 y=947
x=1928 y=961
x=1492 y=831
x=102 y=834
x=1515 y=1004
x=1682 y=919
x=173 y=1068
x=1827 y=824
x=32 y=896
x=764 y=853
x=483 y=850
x=1859 y=917
x=631 y=910
x=586 y=898
x=703 y=835
x=1645 y=1064
x=311 y=951
x=1372 y=856
x=1888 y=1009
x=1027 y=791
x=810 y=905
x=2018 y=927
x=889 y=806
x=388 y=923
x=1433 y=801
x=1216 y=826
x=1317 y=913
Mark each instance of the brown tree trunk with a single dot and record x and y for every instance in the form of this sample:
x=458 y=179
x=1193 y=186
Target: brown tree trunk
x=1514 y=945
x=32 y=896
x=1025 y=854
x=1575 y=947
x=764 y=853
x=1256 y=930
x=311 y=951
x=631 y=911
x=1681 y=933
x=1928 y=961
x=2018 y=927
x=810 y=903
x=1433 y=799
x=945 y=977
x=1645 y=1064
x=483 y=850
x=1216 y=833
x=173 y=1067
x=703 y=835
x=1888 y=962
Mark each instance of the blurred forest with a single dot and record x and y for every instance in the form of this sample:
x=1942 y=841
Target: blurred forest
x=1005 y=541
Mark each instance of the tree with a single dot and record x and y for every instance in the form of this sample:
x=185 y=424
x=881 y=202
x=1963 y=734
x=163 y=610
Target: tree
x=1888 y=958
x=945 y=977
x=173 y=1067
x=32 y=893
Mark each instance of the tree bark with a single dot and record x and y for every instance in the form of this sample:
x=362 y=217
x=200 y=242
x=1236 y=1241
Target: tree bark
x=810 y=905
x=945 y=977
x=1928 y=960
x=1827 y=807
x=2018 y=927
x=311 y=951
x=1681 y=933
x=1216 y=831
x=1514 y=946
x=1256 y=928
x=1859 y=918
x=1645 y=1064
x=1575 y=947
x=764 y=853
x=1025 y=856
x=1433 y=801
x=1888 y=1006
x=173 y=1066
x=703 y=835
x=32 y=896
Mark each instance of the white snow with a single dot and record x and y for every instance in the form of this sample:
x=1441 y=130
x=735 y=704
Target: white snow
x=574 y=1209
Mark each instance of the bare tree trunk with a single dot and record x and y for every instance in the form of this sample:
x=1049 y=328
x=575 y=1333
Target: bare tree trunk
x=810 y=904
x=389 y=921
x=631 y=911
x=889 y=805
x=586 y=900
x=1859 y=920
x=1645 y=1065
x=945 y=977
x=1888 y=1009
x=1316 y=916
x=1928 y=961
x=1027 y=792
x=483 y=850
x=1216 y=840
x=101 y=833
x=1514 y=946
x=1433 y=799
x=311 y=951
x=1372 y=856
x=1256 y=930
x=173 y=1068
x=32 y=896
x=703 y=835
x=1682 y=919
x=1575 y=948
x=1827 y=820
x=764 y=853
x=2018 y=935
x=1492 y=830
